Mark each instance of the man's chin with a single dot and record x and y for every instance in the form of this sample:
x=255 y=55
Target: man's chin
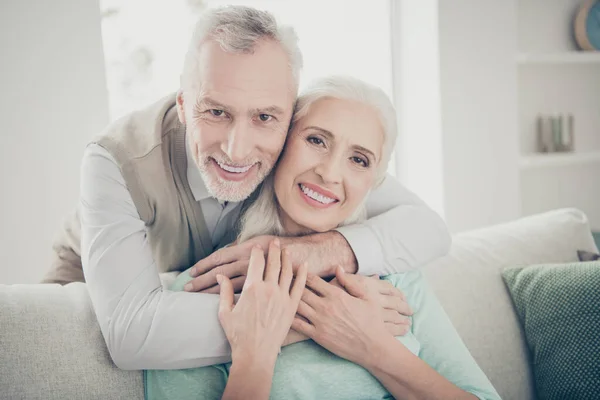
x=231 y=191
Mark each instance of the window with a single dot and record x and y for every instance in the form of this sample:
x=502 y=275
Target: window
x=145 y=43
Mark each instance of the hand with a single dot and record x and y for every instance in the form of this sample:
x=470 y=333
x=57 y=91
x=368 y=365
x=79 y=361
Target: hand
x=294 y=337
x=389 y=296
x=231 y=261
x=394 y=308
x=258 y=324
x=347 y=324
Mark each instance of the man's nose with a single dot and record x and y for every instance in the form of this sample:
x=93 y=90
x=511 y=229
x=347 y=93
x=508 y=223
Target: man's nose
x=330 y=169
x=240 y=143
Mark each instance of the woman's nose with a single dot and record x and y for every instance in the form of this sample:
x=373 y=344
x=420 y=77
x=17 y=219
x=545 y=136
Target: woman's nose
x=330 y=170
x=239 y=144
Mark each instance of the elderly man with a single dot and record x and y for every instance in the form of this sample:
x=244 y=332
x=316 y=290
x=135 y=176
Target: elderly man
x=162 y=188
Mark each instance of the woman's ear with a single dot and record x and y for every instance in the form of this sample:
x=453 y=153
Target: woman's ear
x=180 y=106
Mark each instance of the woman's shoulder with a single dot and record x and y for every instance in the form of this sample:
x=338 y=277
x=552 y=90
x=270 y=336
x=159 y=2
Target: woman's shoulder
x=406 y=279
x=180 y=281
x=414 y=287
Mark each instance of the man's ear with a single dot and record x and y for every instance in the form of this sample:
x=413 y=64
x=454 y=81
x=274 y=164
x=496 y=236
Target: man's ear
x=180 y=106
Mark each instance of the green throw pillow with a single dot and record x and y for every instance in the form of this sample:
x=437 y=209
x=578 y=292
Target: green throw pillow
x=559 y=308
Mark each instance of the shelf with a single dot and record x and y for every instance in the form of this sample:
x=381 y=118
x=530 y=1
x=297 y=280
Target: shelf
x=558 y=159
x=573 y=57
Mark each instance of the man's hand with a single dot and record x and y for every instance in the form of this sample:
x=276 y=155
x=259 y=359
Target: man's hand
x=231 y=261
x=322 y=251
x=394 y=308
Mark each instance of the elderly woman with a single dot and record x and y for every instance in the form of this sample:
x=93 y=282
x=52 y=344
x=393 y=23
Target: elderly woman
x=337 y=151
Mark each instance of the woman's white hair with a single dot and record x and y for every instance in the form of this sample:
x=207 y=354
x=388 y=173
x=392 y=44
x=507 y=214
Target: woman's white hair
x=238 y=29
x=262 y=217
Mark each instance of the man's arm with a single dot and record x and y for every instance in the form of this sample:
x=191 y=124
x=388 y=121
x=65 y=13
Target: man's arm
x=401 y=234
x=145 y=327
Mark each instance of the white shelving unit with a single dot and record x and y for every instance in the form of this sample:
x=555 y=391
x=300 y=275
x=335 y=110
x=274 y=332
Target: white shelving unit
x=559 y=160
x=555 y=78
x=579 y=57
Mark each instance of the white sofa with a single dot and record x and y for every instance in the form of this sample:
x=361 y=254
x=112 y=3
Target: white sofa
x=51 y=346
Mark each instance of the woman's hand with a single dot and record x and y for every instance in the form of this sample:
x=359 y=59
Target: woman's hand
x=258 y=324
x=394 y=308
x=348 y=324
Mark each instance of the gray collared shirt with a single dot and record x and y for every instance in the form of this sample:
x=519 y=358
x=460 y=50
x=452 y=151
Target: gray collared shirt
x=219 y=216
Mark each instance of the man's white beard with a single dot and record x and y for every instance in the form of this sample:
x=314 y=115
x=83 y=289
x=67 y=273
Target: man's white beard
x=231 y=191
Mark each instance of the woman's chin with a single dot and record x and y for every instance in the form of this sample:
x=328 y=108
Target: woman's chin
x=321 y=228
x=303 y=220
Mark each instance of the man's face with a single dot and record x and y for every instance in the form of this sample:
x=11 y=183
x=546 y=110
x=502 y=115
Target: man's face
x=237 y=116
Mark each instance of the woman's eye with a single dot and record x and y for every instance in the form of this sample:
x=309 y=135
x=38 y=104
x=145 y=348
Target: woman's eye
x=265 y=117
x=360 y=161
x=315 y=140
x=216 y=113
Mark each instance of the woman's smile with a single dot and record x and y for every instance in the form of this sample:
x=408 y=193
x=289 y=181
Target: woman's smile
x=316 y=196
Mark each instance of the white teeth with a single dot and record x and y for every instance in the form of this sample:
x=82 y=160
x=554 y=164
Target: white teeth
x=237 y=170
x=316 y=196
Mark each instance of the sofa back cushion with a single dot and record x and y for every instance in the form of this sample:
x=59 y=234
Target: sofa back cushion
x=51 y=347
x=469 y=285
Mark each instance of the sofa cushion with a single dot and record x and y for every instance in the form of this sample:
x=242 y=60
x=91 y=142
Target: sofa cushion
x=558 y=306
x=51 y=347
x=587 y=255
x=469 y=285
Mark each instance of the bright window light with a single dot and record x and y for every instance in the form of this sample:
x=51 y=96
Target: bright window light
x=145 y=43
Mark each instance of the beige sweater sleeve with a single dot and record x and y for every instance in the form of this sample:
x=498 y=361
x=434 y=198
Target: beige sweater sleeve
x=66 y=255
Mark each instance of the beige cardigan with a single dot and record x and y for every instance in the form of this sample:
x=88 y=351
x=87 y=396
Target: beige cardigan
x=149 y=148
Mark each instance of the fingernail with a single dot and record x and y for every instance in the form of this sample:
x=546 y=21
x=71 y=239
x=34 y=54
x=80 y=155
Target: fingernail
x=188 y=287
x=193 y=272
x=258 y=246
x=219 y=279
x=276 y=242
x=339 y=267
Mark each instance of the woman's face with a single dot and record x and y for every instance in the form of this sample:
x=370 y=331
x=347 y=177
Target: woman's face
x=328 y=165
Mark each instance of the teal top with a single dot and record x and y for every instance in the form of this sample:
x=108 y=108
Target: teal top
x=306 y=370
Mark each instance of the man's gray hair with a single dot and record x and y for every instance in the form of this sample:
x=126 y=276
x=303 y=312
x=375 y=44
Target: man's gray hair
x=262 y=217
x=238 y=29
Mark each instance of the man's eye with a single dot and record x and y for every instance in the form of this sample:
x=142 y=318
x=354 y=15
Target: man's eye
x=265 y=117
x=216 y=113
x=315 y=140
x=360 y=161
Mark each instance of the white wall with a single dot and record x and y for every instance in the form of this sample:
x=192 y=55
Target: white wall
x=456 y=88
x=415 y=44
x=53 y=99
x=478 y=43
